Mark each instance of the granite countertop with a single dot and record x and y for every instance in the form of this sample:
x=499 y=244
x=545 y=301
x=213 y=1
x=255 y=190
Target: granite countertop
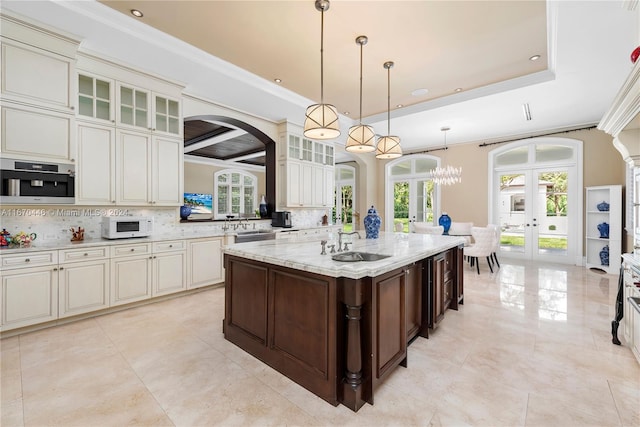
x=403 y=248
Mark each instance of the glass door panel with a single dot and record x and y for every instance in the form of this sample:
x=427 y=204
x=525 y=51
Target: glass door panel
x=551 y=215
x=401 y=206
x=511 y=212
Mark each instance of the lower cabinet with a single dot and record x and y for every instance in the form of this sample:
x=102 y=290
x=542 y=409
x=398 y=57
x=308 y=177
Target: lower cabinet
x=29 y=296
x=205 y=262
x=130 y=273
x=445 y=284
x=169 y=267
x=413 y=305
x=83 y=284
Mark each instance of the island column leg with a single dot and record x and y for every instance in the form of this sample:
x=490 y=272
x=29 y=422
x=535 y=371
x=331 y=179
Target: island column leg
x=354 y=391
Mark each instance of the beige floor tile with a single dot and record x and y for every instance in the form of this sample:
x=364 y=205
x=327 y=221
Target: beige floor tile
x=530 y=346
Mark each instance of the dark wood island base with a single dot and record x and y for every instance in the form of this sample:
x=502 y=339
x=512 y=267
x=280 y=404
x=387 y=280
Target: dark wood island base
x=337 y=337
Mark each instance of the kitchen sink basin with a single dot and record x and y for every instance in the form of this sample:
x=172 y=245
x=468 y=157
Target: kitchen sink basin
x=254 y=236
x=358 y=256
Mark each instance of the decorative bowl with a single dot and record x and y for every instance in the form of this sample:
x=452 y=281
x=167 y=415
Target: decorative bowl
x=603 y=207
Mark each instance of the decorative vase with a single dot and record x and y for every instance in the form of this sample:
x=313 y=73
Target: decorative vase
x=635 y=54
x=445 y=222
x=372 y=223
x=263 y=207
x=603 y=207
x=185 y=211
x=603 y=228
x=604 y=256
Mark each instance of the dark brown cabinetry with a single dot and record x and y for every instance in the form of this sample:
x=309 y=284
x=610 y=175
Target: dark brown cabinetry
x=445 y=284
x=413 y=292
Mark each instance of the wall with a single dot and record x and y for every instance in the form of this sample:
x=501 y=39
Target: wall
x=468 y=200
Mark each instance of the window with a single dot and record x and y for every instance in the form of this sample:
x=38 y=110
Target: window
x=236 y=193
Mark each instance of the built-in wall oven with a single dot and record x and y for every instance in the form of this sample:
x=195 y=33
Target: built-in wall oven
x=28 y=182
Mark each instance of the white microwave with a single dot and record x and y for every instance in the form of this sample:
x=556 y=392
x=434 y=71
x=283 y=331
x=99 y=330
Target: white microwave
x=123 y=227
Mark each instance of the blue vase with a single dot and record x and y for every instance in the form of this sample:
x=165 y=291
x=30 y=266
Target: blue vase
x=372 y=223
x=445 y=222
x=603 y=207
x=603 y=228
x=263 y=208
x=604 y=256
x=185 y=211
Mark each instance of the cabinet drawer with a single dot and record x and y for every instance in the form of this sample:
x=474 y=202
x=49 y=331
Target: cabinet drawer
x=70 y=255
x=128 y=250
x=169 y=246
x=31 y=259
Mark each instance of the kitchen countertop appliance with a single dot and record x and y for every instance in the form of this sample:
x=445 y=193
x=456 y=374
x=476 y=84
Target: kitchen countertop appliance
x=281 y=219
x=123 y=227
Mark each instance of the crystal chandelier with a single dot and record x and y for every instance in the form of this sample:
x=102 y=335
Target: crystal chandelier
x=446 y=175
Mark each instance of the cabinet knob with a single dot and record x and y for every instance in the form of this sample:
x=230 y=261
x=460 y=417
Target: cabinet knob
x=86 y=254
x=61 y=268
x=27 y=260
x=132 y=249
x=113 y=201
x=55 y=269
x=170 y=246
x=150 y=257
x=73 y=107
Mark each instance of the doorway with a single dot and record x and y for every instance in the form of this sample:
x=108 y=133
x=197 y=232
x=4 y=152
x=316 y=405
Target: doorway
x=537 y=199
x=410 y=196
x=345 y=197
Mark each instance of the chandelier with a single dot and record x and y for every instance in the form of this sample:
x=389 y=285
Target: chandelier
x=321 y=120
x=446 y=175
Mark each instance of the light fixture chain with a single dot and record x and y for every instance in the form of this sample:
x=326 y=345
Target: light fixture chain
x=388 y=100
x=322 y=56
x=361 y=49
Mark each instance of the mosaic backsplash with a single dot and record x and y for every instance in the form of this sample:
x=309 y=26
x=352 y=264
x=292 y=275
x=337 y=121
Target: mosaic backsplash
x=55 y=222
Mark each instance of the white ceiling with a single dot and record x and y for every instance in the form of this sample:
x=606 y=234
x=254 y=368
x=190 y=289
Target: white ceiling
x=481 y=46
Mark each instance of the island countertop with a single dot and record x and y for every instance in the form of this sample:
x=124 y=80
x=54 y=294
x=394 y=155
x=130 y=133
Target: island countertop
x=402 y=249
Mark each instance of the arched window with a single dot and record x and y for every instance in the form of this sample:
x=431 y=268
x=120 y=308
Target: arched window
x=410 y=194
x=236 y=193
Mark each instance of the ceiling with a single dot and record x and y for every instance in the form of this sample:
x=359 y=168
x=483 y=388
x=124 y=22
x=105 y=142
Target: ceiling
x=230 y=52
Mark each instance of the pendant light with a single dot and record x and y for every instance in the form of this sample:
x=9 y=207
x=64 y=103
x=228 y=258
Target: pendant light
x=362 y=138
x=321 y=120
x=446 y=175
x=388 y=146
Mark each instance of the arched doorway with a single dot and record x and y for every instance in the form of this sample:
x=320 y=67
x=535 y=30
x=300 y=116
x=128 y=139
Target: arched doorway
x=535 y=189
x=345 y=194
x=243 y=133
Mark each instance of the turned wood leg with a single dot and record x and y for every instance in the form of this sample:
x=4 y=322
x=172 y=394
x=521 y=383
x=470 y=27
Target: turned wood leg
x=353 y=390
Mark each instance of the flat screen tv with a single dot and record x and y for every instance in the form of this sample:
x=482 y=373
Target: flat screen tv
x=201 y=204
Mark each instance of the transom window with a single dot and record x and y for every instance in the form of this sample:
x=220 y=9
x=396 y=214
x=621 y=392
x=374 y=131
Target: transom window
x=236 y=193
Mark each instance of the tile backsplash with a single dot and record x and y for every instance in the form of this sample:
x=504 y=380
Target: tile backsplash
x=55 y=222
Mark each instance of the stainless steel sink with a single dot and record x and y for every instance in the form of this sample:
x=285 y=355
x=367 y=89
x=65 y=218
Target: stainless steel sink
x=254 y=236
x=358 y=256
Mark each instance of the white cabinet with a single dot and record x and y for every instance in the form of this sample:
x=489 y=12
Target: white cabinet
x=96 y=166
x=32 y=133
x=205 y=262
x=133 y=168
x=169 y=267
x=143 y=109
x=95 y=97
x=598 y=242
x=131 y=274
x=29 y=292
x=83 y=280
x=167 y=176
x=306 y=172
x=38 y=92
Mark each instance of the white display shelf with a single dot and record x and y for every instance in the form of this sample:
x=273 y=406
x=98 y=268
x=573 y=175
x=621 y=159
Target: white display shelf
x=594 y=243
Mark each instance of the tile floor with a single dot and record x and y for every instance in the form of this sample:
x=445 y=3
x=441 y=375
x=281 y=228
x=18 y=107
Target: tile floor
x=530 y=347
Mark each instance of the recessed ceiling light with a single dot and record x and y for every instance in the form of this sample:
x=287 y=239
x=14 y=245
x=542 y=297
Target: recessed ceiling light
x=136 y=13
x=399 y=106
x=534 y=58
x=346 y=113
x=420 y=92
x=458 y=89
x=277 y=80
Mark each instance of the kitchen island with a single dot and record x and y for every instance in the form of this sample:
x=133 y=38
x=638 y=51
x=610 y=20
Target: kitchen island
x=339 y=328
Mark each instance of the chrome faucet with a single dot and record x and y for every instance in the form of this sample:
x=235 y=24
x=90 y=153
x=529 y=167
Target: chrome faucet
x=340 y=233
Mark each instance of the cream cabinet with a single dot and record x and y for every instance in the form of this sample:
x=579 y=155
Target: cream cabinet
x=96 y=166
x=140 y=108
x=131 y=273
x=95 y=98
x=29 y=289
x=37 y=92
x=83 y=280
x=32 y=133
x=169 y=267
x=205 y=262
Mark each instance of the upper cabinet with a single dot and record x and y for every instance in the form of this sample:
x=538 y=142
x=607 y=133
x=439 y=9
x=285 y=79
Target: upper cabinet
x=95 y=98
x=38 y=100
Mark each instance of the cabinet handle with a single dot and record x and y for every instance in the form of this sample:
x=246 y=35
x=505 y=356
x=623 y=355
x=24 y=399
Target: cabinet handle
x=113 y=201
x=170 y=246
x=27 y=260
x=150 y=257
x=132 y=249
x=73 y=107
x=55 y=269
x=61 y=268
x=86 y=254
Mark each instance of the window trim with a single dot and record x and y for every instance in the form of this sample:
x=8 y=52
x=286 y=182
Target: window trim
x=216 y=200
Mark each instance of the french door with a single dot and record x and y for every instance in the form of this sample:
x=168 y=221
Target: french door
x=413 y=201
x=345 y=197
x=537 y=211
